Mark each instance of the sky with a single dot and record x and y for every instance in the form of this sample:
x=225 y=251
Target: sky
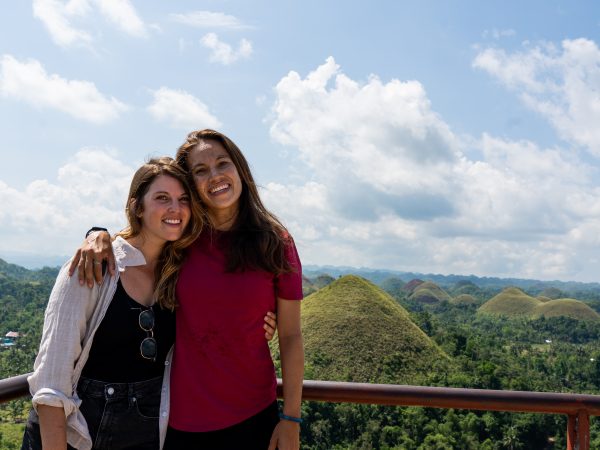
x=429 y=136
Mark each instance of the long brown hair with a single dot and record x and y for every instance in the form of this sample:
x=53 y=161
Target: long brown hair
x=172 y=254
x=258 y=237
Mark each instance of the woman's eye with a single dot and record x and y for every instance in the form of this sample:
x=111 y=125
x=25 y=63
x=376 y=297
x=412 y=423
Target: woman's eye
x=199 y=171
x=184 y=200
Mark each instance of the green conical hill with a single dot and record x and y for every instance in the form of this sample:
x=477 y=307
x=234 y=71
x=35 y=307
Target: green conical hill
x=511 y=302
x=464 y=299
x=412 y=285
x=354 y=331
x=429 y=292
x=566 y=307
x=392 y=285
x=310 y=285
x=466 y=287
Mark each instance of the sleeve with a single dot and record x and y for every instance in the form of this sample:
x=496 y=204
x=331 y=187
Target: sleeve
x=65 y=324
x=289 y=285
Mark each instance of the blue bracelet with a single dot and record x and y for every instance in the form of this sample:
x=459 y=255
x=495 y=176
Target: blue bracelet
x=290 y=418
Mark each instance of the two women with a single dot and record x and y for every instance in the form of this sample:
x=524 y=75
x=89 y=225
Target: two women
x=242 y=264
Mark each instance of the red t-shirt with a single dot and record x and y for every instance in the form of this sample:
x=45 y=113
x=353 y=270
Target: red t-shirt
x=222 y=370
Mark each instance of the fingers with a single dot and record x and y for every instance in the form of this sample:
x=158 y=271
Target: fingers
x=269 y=332
x=270 y=325
x=97 y=269
x=111 y=264
x=74 y=262
x=81 y=267
x=271 y=320
x=89 y=270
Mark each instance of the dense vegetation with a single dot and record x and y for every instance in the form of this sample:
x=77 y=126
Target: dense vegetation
x=346 y=322
x=23 y=296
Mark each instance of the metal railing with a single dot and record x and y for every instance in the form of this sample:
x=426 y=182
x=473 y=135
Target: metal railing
x=578 y=407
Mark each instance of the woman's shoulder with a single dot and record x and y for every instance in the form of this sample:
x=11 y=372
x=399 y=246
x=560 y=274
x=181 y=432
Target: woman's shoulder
x=126 y=254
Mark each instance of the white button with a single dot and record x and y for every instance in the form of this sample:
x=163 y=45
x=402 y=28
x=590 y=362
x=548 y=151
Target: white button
x=164 y=414
x=110 y=391
x=166 y=363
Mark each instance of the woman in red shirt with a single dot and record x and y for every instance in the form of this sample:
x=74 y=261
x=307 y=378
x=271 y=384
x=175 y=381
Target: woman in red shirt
x=223 y=380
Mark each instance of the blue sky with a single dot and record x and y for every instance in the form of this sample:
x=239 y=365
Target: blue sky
x=450 y=137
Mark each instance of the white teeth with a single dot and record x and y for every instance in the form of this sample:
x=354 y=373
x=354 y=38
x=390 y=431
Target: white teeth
x=218 y=188
x=173 y=221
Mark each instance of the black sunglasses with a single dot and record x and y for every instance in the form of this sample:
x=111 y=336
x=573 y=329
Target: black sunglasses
x=148 y=347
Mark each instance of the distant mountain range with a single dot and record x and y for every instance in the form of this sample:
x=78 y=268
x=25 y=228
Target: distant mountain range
x=378 y=276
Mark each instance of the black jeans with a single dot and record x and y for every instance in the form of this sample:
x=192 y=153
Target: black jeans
x=120 y=416
x=251 y=434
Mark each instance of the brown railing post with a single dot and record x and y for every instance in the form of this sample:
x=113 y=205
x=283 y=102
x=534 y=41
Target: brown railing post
x=583 y=430
x=571 y=432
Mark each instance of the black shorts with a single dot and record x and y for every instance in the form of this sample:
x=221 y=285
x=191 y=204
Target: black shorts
x=251 y=434
x=119 y=415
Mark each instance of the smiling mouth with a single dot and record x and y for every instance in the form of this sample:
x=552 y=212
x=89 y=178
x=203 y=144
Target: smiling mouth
x=218 y=188
x=172 y=221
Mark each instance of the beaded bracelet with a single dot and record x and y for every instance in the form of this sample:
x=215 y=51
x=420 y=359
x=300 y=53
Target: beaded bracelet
x=290 y=418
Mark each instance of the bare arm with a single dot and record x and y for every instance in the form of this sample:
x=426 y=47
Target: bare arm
x=286 y=435
x=53 y=427
x=88 y=258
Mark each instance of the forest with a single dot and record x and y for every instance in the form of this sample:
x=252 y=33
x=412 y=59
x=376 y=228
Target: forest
x=394 y=334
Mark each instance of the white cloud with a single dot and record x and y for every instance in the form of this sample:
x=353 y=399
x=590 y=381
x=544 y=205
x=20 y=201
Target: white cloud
x=58 y=17
x=390 y=187
x=28 y=81
x=208 y=19
x=562 y=84
x=181 y=110
x=123 y=15
x=222 y=52
x=90 y=189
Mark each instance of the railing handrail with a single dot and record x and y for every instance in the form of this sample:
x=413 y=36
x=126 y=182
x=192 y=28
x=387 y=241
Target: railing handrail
x=444 y=397
x=406 y=395
x=578 y=407
x=14 y=387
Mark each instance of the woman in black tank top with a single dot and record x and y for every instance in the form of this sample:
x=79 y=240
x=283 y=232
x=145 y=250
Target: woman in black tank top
x=124 y=356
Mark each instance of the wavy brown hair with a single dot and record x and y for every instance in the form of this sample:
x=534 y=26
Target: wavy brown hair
x=258 y=238
x=172 y=254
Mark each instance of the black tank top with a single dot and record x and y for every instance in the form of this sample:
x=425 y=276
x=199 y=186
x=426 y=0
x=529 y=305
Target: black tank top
x=115 y=353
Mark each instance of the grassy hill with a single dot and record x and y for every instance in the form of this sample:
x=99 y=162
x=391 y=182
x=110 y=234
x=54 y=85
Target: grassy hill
x=429 y=292
x=513 y=302
x=393 y=286
x=466 y=287
x=310 y=285
x=567 y=307
x=354 y=331
x=412 y=285
x=464 y=299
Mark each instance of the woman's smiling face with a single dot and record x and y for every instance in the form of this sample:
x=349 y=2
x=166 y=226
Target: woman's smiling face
x=165 y=211
x=217 y=181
